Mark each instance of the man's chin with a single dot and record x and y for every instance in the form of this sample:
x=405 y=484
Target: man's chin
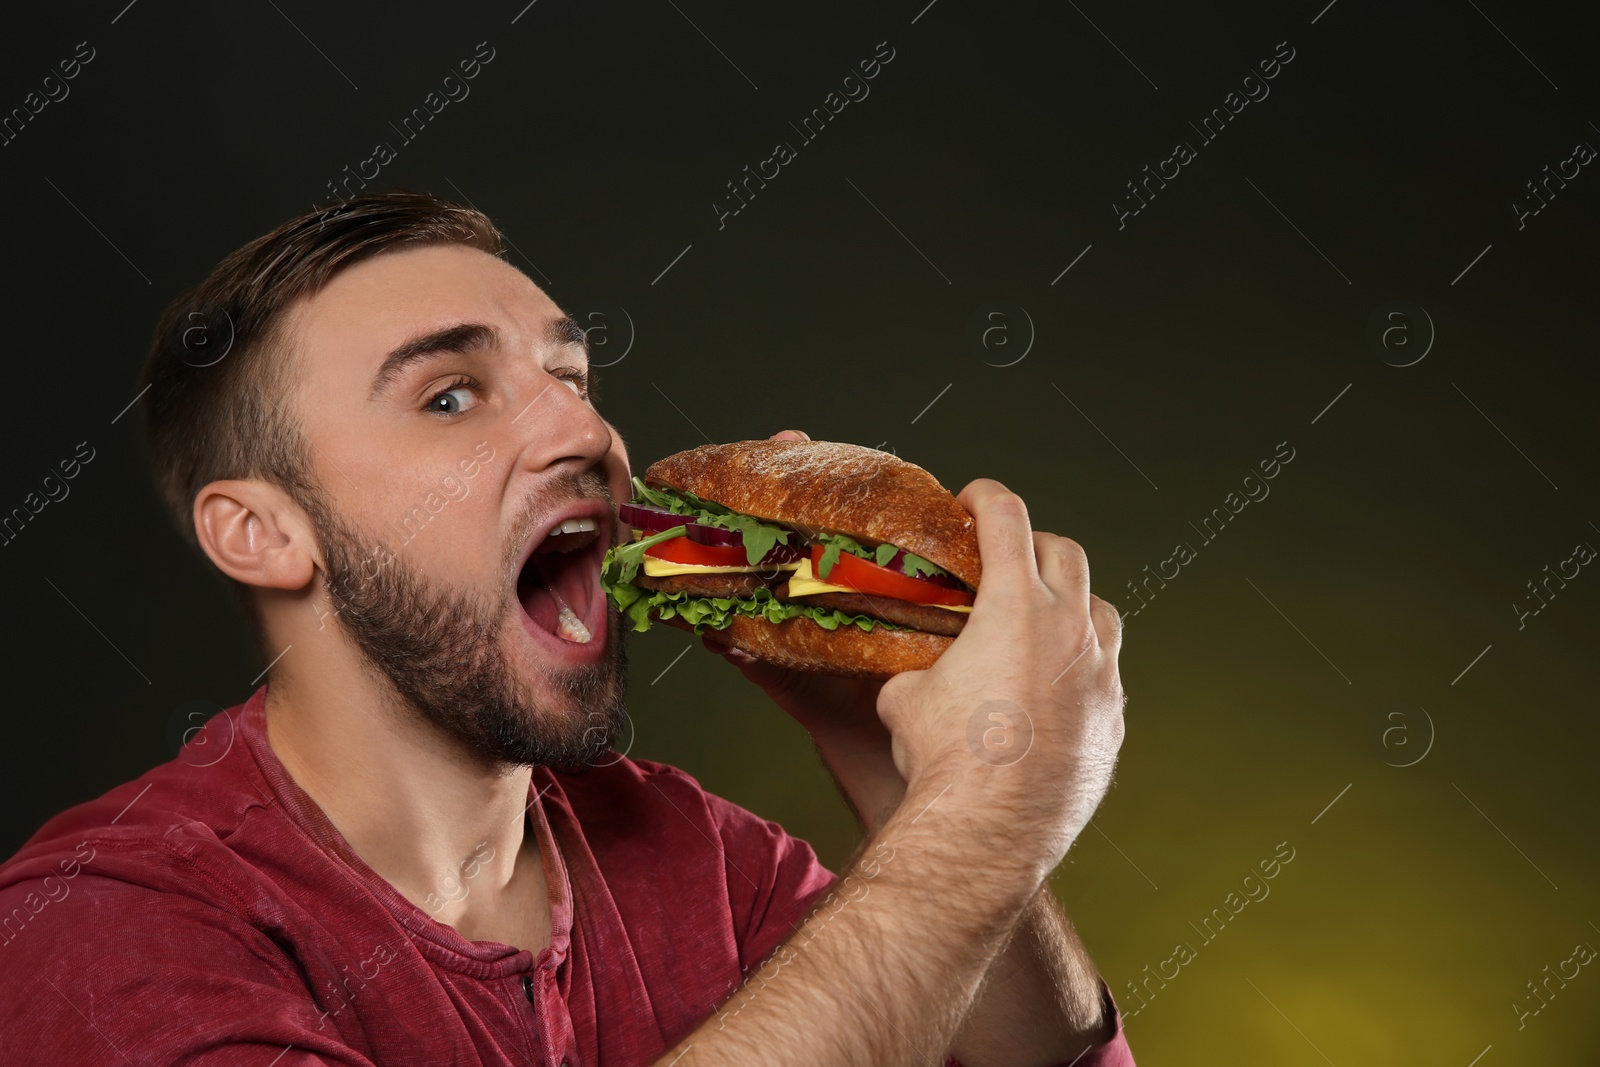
x=579 y=710
x=467 y=666
x=552 y=665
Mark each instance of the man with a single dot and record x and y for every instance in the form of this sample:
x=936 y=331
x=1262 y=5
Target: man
x=413 y=844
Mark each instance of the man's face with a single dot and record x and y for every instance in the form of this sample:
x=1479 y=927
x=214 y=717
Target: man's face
x=444 y=401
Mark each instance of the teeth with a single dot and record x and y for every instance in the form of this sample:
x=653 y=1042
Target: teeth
x=572 y=628
x=574 y=526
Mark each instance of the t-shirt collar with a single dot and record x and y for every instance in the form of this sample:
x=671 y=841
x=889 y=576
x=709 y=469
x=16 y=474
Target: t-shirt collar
x=449 y=947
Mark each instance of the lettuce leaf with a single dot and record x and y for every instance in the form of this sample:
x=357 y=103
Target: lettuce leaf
x=673 y=501
x=833 y=543
x=916 y=566
x=759 y=537
x=622 y=561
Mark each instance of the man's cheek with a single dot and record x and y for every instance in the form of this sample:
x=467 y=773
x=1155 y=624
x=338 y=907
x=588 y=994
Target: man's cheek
x=619 y=473
x=619 y=448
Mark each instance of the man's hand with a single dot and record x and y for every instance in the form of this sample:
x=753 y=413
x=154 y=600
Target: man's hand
x=1039 y=650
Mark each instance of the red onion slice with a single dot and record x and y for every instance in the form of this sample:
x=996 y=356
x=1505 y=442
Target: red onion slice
x=648 y=519
x=717 y=537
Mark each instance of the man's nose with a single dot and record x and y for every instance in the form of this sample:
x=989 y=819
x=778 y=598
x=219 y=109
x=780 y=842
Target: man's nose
x=559 y=427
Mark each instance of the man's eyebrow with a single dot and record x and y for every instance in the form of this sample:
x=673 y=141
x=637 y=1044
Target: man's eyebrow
x=461 y=338
x=565 y=331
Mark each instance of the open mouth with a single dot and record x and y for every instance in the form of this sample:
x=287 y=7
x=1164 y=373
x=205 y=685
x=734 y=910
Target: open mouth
x=559 y=584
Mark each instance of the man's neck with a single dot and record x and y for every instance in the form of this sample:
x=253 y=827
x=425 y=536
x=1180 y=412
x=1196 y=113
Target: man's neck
x=437 y=822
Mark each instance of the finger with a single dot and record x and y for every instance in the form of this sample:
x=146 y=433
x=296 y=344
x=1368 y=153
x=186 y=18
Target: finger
x=1005 y=541
x=727 y=652
x=1107 y=625
x=790 y=435
x=1063 y=568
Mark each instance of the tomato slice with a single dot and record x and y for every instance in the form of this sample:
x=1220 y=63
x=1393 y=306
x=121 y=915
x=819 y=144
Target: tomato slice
x=682 y=550
x=865 y=576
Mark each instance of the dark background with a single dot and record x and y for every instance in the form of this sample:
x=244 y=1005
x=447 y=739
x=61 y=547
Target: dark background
x=1323 y=639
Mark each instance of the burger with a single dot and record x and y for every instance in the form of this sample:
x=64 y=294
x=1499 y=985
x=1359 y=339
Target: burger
x=811 y=555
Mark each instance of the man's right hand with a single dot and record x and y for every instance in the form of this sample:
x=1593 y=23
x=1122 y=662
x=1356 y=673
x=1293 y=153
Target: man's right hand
x=1034 y=669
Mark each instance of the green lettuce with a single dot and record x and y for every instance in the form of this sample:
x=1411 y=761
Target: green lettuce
x=916 y=566
x=622 y=562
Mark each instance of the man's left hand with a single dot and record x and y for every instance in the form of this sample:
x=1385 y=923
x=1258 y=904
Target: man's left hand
x=840 y=714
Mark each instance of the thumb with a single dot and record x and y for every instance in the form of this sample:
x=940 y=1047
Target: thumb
x=894 y=696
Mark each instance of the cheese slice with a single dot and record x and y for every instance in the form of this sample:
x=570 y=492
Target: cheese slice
x=803 y=583
x=661 y=568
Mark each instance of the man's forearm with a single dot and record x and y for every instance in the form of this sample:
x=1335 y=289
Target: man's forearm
x=862 y=980
x=1040 y=1002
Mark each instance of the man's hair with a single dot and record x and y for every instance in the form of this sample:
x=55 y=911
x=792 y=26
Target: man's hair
x=217 y=373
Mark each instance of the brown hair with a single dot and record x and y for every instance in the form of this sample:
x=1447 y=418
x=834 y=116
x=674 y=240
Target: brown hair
x=217 y=372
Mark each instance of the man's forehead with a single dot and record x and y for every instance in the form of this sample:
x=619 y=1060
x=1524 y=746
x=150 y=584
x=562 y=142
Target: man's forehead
x=370 y=307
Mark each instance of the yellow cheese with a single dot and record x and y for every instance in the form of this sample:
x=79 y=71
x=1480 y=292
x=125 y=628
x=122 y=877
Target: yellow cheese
x=803 y=583
x=660 y=568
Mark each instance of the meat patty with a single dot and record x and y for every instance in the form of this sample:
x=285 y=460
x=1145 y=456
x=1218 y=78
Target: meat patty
x=900 y=612
x=709 y=585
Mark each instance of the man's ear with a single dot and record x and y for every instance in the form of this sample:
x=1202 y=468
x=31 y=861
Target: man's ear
x=255 y=534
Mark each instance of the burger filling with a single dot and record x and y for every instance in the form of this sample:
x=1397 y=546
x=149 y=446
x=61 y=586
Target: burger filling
x=695 y=560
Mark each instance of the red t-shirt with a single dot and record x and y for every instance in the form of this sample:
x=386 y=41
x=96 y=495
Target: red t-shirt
x=209 y=913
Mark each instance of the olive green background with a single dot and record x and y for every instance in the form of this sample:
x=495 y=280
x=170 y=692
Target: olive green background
x=1322 y=640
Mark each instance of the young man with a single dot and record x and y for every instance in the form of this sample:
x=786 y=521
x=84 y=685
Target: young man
x=414 y=846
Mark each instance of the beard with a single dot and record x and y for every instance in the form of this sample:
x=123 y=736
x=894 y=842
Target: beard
x=443 y=654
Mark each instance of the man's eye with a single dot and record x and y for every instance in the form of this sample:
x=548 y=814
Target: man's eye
x=458 y=398
x=577 y=381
